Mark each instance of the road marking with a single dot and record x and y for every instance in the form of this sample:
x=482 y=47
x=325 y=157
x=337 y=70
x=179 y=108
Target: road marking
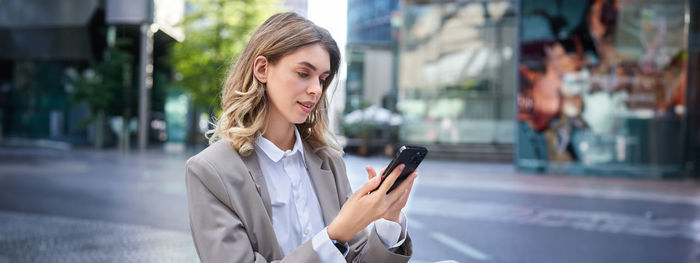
x=460 y=246
x=592 y=221
x=567 y=190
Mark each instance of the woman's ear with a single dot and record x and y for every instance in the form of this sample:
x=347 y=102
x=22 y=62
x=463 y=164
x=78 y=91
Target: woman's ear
x=260 y=67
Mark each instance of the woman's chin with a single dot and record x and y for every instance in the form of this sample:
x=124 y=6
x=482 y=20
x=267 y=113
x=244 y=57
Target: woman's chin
x=299 y=120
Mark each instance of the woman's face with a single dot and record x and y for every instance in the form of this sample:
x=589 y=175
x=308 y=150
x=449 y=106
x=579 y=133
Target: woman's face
x=295 y=83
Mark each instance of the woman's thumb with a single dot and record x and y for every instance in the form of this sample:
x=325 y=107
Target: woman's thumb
x=370 y=172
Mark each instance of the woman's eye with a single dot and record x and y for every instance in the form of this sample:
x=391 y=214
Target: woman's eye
x=321 y=81
x=302 y=74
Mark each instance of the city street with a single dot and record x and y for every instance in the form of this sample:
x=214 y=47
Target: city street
x=105 y=206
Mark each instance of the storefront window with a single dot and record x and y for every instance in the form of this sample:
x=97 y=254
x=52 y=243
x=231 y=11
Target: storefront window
x=602 y=86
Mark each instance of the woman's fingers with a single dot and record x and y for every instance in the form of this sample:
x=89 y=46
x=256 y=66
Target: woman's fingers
x=403 y=189
x=408 y=183
x=404 y=198
x=371 y=173
x=389 y=181
x=369 y=186
x=409 y=188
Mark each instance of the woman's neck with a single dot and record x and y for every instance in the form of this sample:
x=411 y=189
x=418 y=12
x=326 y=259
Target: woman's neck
x=279 y=131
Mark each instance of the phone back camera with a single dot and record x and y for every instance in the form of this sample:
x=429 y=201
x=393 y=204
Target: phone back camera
x=417 y=160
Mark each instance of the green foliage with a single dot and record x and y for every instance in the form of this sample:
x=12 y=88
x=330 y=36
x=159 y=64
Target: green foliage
x=106 y=85
x=361 y=129
x=216 y=32
x=87 y=88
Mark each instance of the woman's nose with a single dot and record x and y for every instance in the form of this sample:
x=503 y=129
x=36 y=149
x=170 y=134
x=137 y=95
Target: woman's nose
x=315 y=88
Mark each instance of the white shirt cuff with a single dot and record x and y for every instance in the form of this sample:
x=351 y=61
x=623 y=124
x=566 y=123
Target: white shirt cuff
x=325 y=249
x=391 y=234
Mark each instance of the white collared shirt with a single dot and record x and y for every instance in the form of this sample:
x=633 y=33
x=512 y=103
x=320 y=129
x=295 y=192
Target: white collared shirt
x=296 y=211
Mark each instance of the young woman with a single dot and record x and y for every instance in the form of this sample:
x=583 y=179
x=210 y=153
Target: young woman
x=270 y=186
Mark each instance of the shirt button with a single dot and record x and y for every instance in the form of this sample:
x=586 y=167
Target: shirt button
x=306 y=231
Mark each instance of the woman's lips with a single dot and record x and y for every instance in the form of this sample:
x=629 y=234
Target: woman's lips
x=306 y=106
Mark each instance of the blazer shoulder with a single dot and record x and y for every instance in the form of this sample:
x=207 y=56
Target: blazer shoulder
x=218 y=155
x=216 y=164
x=331 y=154
x=220 y=149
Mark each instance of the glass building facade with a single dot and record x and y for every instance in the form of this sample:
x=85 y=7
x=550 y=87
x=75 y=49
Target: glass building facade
x=456 y=78
x=45 y=45
x=601 y=87
x=369 y=21
x=370 y=53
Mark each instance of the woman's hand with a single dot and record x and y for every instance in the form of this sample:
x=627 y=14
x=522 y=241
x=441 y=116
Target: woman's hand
x=364 y=207
x=395 y=211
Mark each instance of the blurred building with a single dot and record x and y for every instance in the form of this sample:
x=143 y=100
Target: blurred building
x=691 y=128
x=371 y=54
x=605 y=88
x=585 y=87
x=456 y=79
x=43 y=42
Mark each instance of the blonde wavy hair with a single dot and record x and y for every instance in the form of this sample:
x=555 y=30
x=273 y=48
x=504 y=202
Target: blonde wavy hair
x=243 y=99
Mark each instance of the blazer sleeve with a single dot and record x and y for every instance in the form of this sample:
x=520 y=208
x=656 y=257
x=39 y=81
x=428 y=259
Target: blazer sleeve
x=364 y=246
x=217 y=230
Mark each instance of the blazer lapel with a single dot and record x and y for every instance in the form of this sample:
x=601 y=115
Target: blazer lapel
x=251 y=161
x=324 y=184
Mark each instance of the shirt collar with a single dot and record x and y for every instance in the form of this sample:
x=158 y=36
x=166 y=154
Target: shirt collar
x=274 y=153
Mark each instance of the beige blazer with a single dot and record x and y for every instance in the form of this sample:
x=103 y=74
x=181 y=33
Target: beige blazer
x=230 y=213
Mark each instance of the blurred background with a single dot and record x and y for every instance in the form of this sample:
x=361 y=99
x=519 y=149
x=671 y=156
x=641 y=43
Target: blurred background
x=558 y=130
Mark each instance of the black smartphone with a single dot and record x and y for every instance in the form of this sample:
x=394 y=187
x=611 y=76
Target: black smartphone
x=411 y=156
